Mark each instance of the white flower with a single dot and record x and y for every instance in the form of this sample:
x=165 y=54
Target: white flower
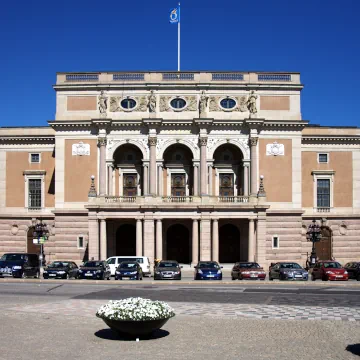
x=135 y=309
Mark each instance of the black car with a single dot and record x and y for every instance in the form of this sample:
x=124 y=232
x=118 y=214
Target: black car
x=62 y=270
x=96 y=270
x=353 y=269
x=167 y=270
x=129 y=269
x=20 y=265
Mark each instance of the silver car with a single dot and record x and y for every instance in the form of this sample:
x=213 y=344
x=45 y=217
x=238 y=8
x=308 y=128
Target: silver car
x=288 y=271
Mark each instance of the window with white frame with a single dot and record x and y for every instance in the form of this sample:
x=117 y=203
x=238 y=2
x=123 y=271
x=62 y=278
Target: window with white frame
x=34 y=158
x=323 y=192
x=323 y=189
x=275 y=242
x=323 y=158
x=35 y=194
x=34 y=189
x=80 y=242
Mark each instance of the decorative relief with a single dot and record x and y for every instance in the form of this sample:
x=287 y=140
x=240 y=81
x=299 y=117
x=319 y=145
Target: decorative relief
x=275 y=149
x=81 y=149
x=203 y=104
x=253 y=141
x=251 y=103
x=102 y=141
x=191 y=103
x=203 y=141
x=343 y=229
x=241 y=104
x=214 y=103
x=165 y=103
x=141 y=103
x=242 y=144
x=152 y=141
x=152 y=102
x=14 y=229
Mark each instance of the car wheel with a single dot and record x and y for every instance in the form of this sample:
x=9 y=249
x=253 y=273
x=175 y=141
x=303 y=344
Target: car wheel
x=119 y=278
x=67 y=276
x=358 y=278
x=270 y=278
x=232 y=277
x=313 y=278
x=23 y=276
x=37 y=275
x=325 y=278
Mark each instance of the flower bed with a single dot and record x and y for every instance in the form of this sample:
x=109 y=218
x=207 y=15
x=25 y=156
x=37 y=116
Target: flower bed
x=135 y=309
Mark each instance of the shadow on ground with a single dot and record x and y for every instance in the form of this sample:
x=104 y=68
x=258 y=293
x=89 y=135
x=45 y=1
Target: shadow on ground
x=354 y=349
x=108 y=334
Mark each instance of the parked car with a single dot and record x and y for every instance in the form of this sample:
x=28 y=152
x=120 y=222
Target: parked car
x=247 y=270
x=167 y=270
x=62 y=270
x=288 y=271
x=97 y=270
x=208 y=270
x=114 y=262
x=353 y=269
x=329 y=270
x=20 y=265
x=129 y=269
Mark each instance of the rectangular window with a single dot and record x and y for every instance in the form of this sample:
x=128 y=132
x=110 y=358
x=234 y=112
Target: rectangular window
x=323 y=193
x=35 y=158
x=275 y=242
x=323 y=158
x=80 y=242
x=34 y=194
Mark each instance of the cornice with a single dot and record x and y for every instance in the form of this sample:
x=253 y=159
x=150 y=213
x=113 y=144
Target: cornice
x=331 y=139
x=28 y=139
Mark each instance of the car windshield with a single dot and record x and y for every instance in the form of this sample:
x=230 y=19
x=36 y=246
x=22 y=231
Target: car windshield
x=168 y=264
x=138 y=260
x=58 y=264
x=290 y=266
x=211 y=265
x=249 y=265
x=93 y=264
x=126 y=265
x=13 y=257
x=332 y=265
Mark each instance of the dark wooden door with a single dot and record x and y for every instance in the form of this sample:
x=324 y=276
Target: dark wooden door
x=323 y=247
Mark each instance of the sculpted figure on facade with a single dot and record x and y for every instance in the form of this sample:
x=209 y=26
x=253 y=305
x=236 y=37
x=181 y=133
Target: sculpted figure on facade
x=203 y=104
x=114 y=104
x=102 y=102
x=242 y=104
x=142 y=104
x=251 y=103
x=152 y=102
x=214 y=103
x=164 y=103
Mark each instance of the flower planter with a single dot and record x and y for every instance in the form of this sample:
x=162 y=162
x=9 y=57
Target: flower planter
x=135 y=328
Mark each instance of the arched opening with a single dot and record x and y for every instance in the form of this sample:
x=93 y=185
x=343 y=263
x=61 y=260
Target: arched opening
x=126 y=240
x=229 y=170
x=323 y=247
x=178 y=164
x=128 y=162
x=32 y=248
x=229 y=244
x=178 y=244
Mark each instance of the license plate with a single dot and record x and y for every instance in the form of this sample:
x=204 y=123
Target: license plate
x=339 y=276
x=88 y=274
x=167 y=276
x=211 y=276
x=298 y=276
x=52 y=274
x=253 y=275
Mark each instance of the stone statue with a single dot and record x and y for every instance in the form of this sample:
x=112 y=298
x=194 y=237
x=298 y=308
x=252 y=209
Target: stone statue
x=203 y=104
x=102 y=102
x=152 y=102
x=251 y=102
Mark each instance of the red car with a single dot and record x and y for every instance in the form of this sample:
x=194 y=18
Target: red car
x=329 y=270
x=247 y=270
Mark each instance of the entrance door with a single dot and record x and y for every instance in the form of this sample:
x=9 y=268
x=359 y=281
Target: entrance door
x=178 y=244
x=178 y=185
x=31 y=247
x=126 y=240
x=229 y=244
x=130 y=185
x=226 y=185
x=323 y=247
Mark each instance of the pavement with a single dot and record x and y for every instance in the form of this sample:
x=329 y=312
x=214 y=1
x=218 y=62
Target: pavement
x=56 y=319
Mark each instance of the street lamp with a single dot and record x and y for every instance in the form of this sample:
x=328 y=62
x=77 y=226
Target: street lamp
x=313 y=234
x=41 y=233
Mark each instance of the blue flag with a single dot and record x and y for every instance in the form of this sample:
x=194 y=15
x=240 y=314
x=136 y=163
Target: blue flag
x=175 y=15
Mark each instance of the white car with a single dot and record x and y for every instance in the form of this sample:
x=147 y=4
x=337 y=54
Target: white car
x=144 y=262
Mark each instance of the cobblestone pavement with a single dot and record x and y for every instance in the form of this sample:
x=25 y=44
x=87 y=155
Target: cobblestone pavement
x=88 y=308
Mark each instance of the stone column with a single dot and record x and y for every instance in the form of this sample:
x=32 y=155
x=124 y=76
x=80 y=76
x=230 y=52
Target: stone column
x=94 y=249
x=253 y=154
x=152 y=144
x=215 y=242
x=195 y=242
x=110 y=180
x=210 y=172
x=139 y=240
x=159 y=242
x=103 y=240
x=102 y=166
x=246 y=180
x=203 y=166
x=196 y=179
x=251 y=246
x=160 y=178
x=205 y=240
x=149 y=243
x=145 y=180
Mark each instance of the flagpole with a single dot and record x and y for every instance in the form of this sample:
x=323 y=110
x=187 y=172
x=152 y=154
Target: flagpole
x=179 y=40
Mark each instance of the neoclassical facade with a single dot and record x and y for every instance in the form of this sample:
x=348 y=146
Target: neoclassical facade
x=187 y=166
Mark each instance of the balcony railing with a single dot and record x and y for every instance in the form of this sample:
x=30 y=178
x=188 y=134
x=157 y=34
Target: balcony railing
x=323 y=209
x=233 y=199
x=129 y=77
x=82 y=77
x=227 y=77
x=178 y=76
x=274 y=77
x=120 y=199
x=177 y=199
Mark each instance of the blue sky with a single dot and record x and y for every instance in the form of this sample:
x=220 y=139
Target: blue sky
x=318 y=38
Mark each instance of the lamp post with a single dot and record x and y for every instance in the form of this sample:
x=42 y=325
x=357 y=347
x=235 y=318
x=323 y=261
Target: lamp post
x=314 y=235
x=42 y=234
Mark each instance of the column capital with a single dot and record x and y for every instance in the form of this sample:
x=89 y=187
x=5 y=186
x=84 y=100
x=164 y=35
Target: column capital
x=215 y=219
x=203 y=140
x=152 y=140
x=254 y=141
x=102 y=141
